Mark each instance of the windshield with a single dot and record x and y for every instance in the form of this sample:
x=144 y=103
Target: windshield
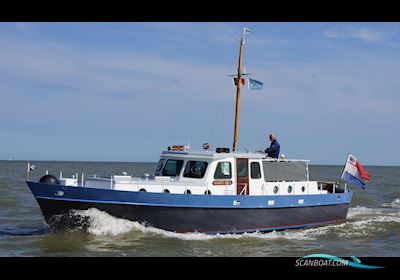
x=159 y=167
x=195 y=169
x=172 y=168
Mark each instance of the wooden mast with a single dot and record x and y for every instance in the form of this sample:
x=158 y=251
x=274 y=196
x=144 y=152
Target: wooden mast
x=238 y=85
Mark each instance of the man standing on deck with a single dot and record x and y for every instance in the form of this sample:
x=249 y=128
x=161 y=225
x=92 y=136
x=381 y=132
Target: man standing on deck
x=273 y=150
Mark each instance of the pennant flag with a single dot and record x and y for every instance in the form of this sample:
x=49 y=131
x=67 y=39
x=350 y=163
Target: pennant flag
x=255 y=85
x=246 y=31
x=354 y=173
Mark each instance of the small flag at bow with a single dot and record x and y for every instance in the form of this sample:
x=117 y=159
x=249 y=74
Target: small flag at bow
x=354 y=173
x=31 y=167
x=255 y=85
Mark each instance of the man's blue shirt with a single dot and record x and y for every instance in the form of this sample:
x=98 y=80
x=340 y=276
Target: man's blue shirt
x=273 y=150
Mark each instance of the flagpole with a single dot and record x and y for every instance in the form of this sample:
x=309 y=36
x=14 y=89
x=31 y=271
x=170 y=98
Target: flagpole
x=27 y=171
x=238 y=85
x=344 y=168
x=347 y=158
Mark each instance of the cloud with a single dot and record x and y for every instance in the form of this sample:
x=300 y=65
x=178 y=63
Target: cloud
x=27 y=63
x=366 y=34
x=365 y=87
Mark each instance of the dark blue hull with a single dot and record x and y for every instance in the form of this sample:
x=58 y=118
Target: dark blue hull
x=196 y=213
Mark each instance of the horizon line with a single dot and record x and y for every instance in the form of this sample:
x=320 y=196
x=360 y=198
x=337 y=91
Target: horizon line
x=105 y=161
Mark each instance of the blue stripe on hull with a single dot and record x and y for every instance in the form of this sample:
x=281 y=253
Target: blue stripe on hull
x=83 y=194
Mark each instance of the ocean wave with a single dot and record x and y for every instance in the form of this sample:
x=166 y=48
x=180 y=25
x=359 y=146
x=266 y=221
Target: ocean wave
x=394 y=204
x=361 y=211
x=368 y=227
x=22 y=231
x=362 y=221
x=102 y=223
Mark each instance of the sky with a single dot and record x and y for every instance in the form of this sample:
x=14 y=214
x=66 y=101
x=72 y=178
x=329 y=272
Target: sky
x=126 y=91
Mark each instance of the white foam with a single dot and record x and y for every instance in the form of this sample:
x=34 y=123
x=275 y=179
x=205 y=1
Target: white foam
x=366 y=221
x=369 y=226
x=360 y=211
x=394 y=204
x=101 y=223
x=296 y=234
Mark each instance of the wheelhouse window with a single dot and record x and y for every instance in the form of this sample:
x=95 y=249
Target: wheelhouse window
x=242 y=169
x=195 y=169
x=285 y=171
x=223 y=170
x=159 y=167
x=172 y=168
x=255 y=170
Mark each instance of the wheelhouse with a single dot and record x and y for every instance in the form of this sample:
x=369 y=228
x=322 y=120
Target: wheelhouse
x=251 y=173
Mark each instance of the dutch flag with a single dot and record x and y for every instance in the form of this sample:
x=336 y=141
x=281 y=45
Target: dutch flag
x=354 y=173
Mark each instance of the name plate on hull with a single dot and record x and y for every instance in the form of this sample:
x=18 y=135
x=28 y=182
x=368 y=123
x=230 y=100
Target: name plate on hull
x=222 y=182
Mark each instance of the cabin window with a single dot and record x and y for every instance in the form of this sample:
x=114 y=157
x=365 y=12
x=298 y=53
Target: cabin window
x=255 y=170
x=159 y=167
x=285 y=171
x=242 y=170
x=172 y=168
x=195 y=169
x=223 y=170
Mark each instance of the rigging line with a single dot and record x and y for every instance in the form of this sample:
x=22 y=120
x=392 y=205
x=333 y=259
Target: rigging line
x=221 y=97
x=226 y=90
x=224 y=95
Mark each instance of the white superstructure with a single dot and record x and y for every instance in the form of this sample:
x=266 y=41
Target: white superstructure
x=212 y=173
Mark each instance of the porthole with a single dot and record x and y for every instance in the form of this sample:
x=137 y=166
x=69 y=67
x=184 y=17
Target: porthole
x=289 y=189
x=207 y=192
x=166 y=190
x=303 y=189
x=187 y=192
x=276 y=189
x=142 y=190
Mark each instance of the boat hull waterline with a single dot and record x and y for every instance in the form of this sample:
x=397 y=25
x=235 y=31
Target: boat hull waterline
x=184 y=213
